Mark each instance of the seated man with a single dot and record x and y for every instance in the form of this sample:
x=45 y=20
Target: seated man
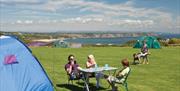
x=72 y=68
x=120 y=76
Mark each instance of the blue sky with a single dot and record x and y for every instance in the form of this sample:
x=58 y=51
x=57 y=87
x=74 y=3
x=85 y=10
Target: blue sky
x=90 y=15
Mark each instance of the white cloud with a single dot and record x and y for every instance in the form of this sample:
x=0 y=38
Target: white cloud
x=28 y=21
x=177 y=24
x=106 y=9
x=82 y=20
x=19 y=21
x=127 y=23
x=22 y=1
x=178 y=20
x=124 y=15
x=129 y=3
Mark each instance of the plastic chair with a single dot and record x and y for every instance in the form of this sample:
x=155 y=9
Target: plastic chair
x=125 y=84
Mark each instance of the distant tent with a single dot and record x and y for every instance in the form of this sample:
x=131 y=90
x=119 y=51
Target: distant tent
x=151 y=42
x=60 y=44
x=19 y=69
x=138 y=44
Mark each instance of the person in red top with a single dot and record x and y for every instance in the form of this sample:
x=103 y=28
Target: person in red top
x=72 y=68
x=144 y=53
x=144 y=48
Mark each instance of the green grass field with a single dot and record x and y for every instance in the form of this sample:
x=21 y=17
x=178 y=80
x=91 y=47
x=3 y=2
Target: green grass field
x=162 y=74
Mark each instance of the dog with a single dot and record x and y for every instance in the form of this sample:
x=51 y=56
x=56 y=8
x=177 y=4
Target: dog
x=138 y=56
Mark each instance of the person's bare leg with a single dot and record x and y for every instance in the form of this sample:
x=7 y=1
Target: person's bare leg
x=114 y=88
x=139 y=60
x=147 y=61
x=110 y=83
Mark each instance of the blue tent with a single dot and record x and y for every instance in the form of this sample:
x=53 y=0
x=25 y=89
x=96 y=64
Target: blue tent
x=19 y=69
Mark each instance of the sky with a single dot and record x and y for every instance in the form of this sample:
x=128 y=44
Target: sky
x=90 y=15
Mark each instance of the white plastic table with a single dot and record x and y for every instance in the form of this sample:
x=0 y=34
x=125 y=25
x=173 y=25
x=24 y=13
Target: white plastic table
x=93 y=70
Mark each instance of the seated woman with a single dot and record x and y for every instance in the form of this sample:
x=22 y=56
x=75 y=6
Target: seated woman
x=91 y=63
x=120 y=76
x=72 y=68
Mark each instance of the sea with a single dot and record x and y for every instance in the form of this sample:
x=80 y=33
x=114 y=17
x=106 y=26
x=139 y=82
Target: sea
x=114 y=41
x=103 y=41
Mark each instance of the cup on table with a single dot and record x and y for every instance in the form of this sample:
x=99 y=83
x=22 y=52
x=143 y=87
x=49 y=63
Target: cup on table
x=96 y=66
x=106 y=65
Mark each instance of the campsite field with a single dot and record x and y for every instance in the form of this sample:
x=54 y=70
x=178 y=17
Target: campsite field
x=162 y=74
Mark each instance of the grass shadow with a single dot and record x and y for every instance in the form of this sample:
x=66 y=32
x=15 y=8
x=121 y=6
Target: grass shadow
x=71 y=87
x=92 y=86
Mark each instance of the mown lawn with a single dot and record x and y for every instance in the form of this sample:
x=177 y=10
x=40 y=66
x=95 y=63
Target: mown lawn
x=162 y=74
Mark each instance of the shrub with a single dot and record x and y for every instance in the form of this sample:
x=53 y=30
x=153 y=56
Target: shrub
x=163 y=43
x=174 y=41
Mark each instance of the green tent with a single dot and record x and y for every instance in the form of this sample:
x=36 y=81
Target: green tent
x=151 y=42
x=60 y=44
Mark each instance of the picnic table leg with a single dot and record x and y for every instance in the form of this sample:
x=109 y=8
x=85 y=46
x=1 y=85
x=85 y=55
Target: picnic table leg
x=114 y=73
x=86 y=81
x=87 y=87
